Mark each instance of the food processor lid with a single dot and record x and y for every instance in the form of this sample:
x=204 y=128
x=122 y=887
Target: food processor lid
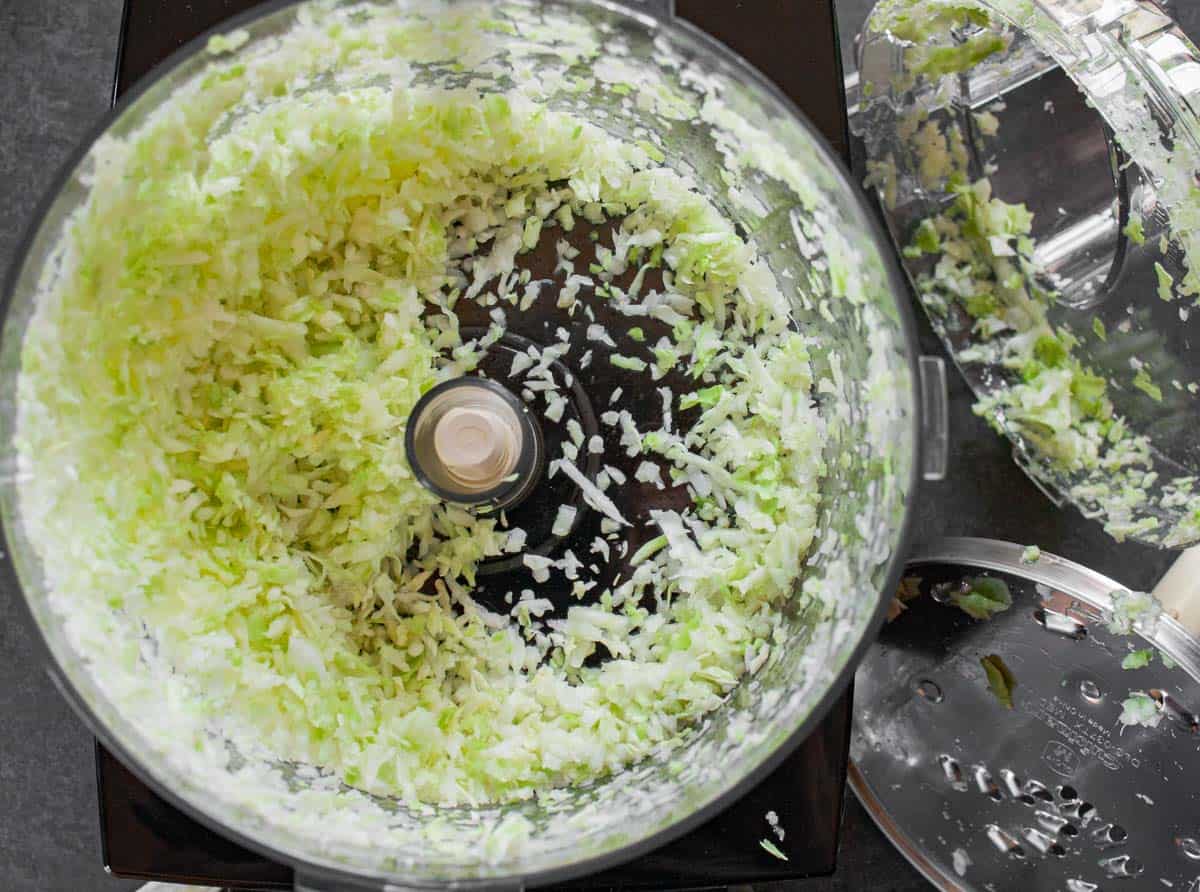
x=1086 y=113
x=992 y=752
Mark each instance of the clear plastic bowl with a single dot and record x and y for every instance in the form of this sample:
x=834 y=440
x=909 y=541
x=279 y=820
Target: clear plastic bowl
x=338 y=837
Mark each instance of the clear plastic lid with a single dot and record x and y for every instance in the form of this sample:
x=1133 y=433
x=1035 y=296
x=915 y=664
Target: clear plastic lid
x=1037 y=163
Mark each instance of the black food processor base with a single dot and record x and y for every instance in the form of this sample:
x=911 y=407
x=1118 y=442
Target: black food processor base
x=145 y=838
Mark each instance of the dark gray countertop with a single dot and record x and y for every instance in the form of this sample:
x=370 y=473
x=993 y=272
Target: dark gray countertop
x=56 y=62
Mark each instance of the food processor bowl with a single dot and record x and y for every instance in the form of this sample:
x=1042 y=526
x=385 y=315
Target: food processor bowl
x=1082 y=113
x=650 y=78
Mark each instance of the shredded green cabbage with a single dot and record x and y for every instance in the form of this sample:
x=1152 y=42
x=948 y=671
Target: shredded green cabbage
x=213 y=405
x=1140 y=709
x=982 y=259
x=1138 y=659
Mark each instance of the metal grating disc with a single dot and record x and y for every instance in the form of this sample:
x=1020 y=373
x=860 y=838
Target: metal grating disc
x=1054 y=793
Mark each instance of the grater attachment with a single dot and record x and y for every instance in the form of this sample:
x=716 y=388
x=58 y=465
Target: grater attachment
x=1055 y=792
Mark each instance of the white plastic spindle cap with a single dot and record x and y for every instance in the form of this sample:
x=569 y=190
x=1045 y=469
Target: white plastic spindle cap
x=477 y=445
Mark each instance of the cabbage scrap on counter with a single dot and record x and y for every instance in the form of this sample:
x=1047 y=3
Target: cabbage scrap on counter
x=212 y=414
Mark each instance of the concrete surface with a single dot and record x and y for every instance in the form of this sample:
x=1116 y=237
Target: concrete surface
x=56 y=64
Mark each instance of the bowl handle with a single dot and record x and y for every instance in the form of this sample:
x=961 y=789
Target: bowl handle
x=664 y=10
x=307 y=883
x=935 y=418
